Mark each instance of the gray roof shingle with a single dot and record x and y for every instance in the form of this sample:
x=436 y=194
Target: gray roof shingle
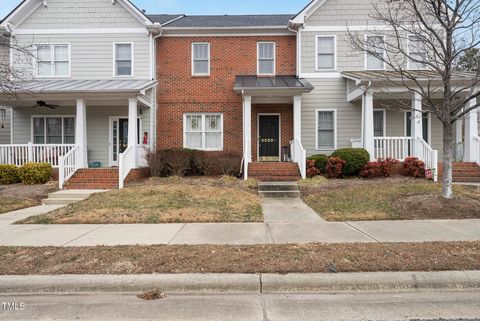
x=227 y=21
x=163 y=19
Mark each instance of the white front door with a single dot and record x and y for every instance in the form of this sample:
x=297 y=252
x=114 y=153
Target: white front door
x=119 y=137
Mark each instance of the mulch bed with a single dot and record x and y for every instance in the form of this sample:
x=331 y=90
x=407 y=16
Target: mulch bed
x=309 y=258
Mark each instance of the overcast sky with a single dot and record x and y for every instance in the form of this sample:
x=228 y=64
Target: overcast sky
x=201 y=7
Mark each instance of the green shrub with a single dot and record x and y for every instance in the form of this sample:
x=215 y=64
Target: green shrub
x=355 y=160
x=9 y=174
x=35 y=173
x=320 y=162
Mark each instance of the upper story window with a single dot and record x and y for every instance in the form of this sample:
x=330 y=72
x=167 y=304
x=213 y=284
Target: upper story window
x=376 y=49
x=266 y=58
x=417 y=50
x=326 y=53
x=53 y=60
x=200 y=59
x=123 y=60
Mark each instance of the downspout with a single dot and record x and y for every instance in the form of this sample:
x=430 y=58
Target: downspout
x=153 y=116
x=297 y=58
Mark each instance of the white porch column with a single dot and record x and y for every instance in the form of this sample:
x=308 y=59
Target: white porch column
x=247 y=128
x=81 y=132
x=297 y=117
x=471 y=132
x=132 y=127
x=416 y=121
x=368 y=127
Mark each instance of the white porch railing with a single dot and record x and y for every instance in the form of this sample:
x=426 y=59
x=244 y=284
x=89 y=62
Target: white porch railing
x=425 y=153
x=246 y=158
x=68 y=165
x=19 y=154
x=393 y=147
x=299 y=155
x=126 y=162
x=477 y=150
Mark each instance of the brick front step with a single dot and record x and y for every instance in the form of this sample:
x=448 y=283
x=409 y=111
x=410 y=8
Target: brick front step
x=101 y=178
x=276 y=178
x=274 y=172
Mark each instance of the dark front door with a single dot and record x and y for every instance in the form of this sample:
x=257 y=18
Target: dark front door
x=269 y=138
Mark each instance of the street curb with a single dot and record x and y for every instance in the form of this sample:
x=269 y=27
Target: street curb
x=241 y=283
x=172 y=283
x=375 y=281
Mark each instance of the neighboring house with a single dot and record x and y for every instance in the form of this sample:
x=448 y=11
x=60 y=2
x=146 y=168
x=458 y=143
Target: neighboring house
x=340 y=111
x=88 y=84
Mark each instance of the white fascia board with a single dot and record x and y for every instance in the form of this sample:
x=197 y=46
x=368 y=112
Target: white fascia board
x=307 y=12
x=79 y=31
x=22 y=12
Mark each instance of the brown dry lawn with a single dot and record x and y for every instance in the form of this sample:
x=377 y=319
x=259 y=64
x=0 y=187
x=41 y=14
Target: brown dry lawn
x=18 y=196
x=172 y=200
x=308 y=258
x=388 y=199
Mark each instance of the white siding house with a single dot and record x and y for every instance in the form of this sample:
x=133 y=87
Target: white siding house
x=88 y=82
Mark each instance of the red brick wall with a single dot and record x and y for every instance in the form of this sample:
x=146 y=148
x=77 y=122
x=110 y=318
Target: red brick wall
x=179 y=92
x=286 y=123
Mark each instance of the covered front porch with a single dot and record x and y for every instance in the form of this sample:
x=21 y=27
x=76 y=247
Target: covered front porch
x=81 y=124
x=272 y=121
x=388 y=108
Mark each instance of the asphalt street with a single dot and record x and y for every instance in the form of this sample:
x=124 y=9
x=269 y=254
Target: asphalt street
x=431 y=305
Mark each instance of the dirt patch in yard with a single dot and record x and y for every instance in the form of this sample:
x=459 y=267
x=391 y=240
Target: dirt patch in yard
x=173 y=200
x=18 y=196
x=308 y=258
x=388 y=199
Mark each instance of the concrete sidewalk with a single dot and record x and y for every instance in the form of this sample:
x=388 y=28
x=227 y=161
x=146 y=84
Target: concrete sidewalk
x=271 y=232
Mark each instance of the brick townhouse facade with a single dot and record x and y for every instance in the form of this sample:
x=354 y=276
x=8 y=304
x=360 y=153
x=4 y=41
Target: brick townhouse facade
x=182 y=92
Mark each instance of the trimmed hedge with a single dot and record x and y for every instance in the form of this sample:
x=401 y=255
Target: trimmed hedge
x=9 y=174
x=355 y=160
x=320 y=162
x=35 y=173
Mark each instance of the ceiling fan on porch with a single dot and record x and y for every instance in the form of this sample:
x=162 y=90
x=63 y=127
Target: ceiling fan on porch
x=41 y=104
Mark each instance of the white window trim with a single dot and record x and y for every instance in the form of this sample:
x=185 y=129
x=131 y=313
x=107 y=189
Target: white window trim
x=334 y=129
x=52 y=52
x=334 y=53
x=384 y=111
x=408 y=52
x=274 y=58
x=32 y=134
x=185 y=115
x=384 y=52
x=132 y=48
x=207 y=74
x=429 y=117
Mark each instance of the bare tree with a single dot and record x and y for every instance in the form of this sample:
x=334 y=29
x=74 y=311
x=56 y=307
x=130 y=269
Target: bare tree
x=12 y=75
x=438 y=33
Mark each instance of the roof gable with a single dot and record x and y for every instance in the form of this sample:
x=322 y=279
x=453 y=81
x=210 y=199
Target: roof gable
x=307 y=11
x=39 y=10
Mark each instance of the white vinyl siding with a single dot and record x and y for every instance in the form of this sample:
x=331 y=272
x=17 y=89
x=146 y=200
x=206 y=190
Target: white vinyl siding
x=326 y=53
x=200 y=59
x=53 y=130
x=326 y=130
x=375 y=53
x=123 y=59
x=203 y=131
x=266 y=58
x=53 y=60
x=417 y=50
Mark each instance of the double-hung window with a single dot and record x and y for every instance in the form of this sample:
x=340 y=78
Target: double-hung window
x=123 y=60
x=375 y=53
x=266 y=58
x=326 y=53
x=418 y=53
x=53 y=60
x=203 y=131
x=379 y=123
x=53 y=130
x=326 y=130
x=200 y=59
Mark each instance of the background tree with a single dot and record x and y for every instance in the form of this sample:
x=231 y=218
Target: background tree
x=470 y=60
x=439 y=33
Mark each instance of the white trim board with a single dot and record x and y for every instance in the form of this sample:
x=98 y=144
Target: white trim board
x=79 y=31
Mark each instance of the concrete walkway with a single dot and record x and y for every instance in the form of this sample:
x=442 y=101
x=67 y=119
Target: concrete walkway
x=276 y=230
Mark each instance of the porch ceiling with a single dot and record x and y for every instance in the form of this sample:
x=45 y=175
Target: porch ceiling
x=101 y=91
x=272 y=86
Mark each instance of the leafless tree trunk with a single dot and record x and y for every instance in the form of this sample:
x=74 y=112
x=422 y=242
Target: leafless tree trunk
x=431 y=35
